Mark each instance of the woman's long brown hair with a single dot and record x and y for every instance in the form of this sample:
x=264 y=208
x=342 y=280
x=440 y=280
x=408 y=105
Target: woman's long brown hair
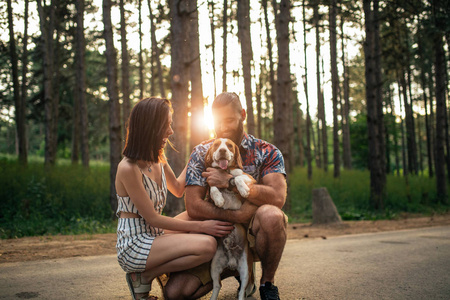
x=147 y=127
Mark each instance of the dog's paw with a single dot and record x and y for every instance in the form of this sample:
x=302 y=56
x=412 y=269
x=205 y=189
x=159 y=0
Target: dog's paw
x=242 y=186
x=217 y=197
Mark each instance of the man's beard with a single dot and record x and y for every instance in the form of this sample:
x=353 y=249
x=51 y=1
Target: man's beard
x=235 y=135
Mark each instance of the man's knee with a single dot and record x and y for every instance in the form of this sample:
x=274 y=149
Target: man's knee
x=181 y=286
x=269 y=218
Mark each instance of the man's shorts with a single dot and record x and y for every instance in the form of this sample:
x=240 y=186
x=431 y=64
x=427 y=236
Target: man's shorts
x=203 y=271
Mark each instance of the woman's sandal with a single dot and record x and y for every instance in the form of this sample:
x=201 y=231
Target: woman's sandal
x=139 y=287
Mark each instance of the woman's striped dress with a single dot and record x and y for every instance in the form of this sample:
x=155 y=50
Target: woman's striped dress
x=134 y=235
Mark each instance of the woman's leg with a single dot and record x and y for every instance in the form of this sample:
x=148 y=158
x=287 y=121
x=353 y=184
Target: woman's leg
x=178 y=252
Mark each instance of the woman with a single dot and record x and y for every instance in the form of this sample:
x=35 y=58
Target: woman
x=143 y=177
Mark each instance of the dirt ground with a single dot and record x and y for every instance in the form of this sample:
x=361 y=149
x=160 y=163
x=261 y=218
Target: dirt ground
x=61 y=246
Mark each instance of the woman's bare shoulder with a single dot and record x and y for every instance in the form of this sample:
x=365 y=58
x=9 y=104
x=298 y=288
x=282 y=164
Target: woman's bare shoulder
x=127 y=167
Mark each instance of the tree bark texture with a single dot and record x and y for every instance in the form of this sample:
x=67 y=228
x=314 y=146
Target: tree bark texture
x=81 y=84
x=179 y=13
x=346 y=145
x=125 y=68
x=19 y=102
x=377 y=186
x=141 y=59
x=243 y=18
x=335 y=87
x=213 y=43
x=156 y=52
x=225 y=40
x=47 y=30
x=198 y=129
x=323 y=208
x=273 y=93
x=439 y=65
x=114 y=106
x=305 y=83
x=283 y=126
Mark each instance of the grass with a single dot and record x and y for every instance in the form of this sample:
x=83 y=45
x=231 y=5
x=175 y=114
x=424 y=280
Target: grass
x=69 y=199
x=351 y=191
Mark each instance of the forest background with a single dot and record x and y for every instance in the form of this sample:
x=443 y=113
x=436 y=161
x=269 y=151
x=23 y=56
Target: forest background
x=354 y=94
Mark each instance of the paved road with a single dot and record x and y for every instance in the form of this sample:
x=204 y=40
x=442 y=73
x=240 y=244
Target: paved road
x=410 y=264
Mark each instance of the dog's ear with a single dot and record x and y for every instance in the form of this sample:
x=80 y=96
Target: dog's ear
x=237 y=157
x=209 y=157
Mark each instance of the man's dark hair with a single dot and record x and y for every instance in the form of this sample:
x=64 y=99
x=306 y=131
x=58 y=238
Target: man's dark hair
x=147 y=127
x=226 y=98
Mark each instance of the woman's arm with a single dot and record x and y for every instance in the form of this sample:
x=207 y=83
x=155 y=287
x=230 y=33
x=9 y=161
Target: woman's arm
x=131 y=179
x=175 y=185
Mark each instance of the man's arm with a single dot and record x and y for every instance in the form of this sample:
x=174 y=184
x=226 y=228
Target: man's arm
x=272 y=191
x=199 y=209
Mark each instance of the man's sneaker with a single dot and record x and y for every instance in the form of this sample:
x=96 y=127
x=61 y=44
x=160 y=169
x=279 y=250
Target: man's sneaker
x=269 y=292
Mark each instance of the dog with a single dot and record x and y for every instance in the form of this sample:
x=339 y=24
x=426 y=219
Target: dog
x=232 y=251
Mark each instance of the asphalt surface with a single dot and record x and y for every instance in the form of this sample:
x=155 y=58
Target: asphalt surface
x=409 y=264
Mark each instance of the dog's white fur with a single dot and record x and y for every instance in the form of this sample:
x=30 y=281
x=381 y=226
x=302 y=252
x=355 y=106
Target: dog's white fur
x=232 y=251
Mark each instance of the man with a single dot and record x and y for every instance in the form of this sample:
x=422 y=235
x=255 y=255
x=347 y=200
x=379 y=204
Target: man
x=262 y=210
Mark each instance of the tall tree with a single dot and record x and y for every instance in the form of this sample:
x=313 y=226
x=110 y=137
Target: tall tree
x=47 y=27
x=213 y=43
x=81 y=83
x=179 y=16
x=125 y=68
x=198 y=129
x=140 y=54
x=156 y=52
x=18 y=100
x=114 y=107
x=335 y=86
x=305 y=86
x=377 y=185
x=321 y=122
x=283 y=126
x=441 y=110
x=273 y=93
x=346 y=146
x=225 y=40
x=243 y=18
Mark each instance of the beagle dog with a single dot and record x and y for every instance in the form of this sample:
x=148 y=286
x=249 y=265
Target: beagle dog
x=232 y=251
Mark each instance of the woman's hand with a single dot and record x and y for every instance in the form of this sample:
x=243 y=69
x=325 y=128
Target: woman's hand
x=216 y=228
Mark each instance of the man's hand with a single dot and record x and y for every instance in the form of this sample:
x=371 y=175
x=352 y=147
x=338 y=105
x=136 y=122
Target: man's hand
x=217 y=177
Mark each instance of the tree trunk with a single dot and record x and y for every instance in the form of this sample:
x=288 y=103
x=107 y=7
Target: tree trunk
x=402 y=126
x=321 y=122
x=23 y=154
x=141 y=59
x=335 y=86
x=301 y=148
x=125 y=69
x=283 y=107
x=213 y=43
x=243 y=18
x=155 y=57
x=259 y=103
x=198 y=128
x=324 y=210
x=18 y=100
x=273 y=87
x=425 y=100
x=377 y=186
x=346 y=145
x=439 y=65
x=47 y=30
x=305 y=86
x=395 y=136
x=410 y=133
x=81 y=85
x=225 y=39
x=114 y=107
x=379 y=97
x=179 y=13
